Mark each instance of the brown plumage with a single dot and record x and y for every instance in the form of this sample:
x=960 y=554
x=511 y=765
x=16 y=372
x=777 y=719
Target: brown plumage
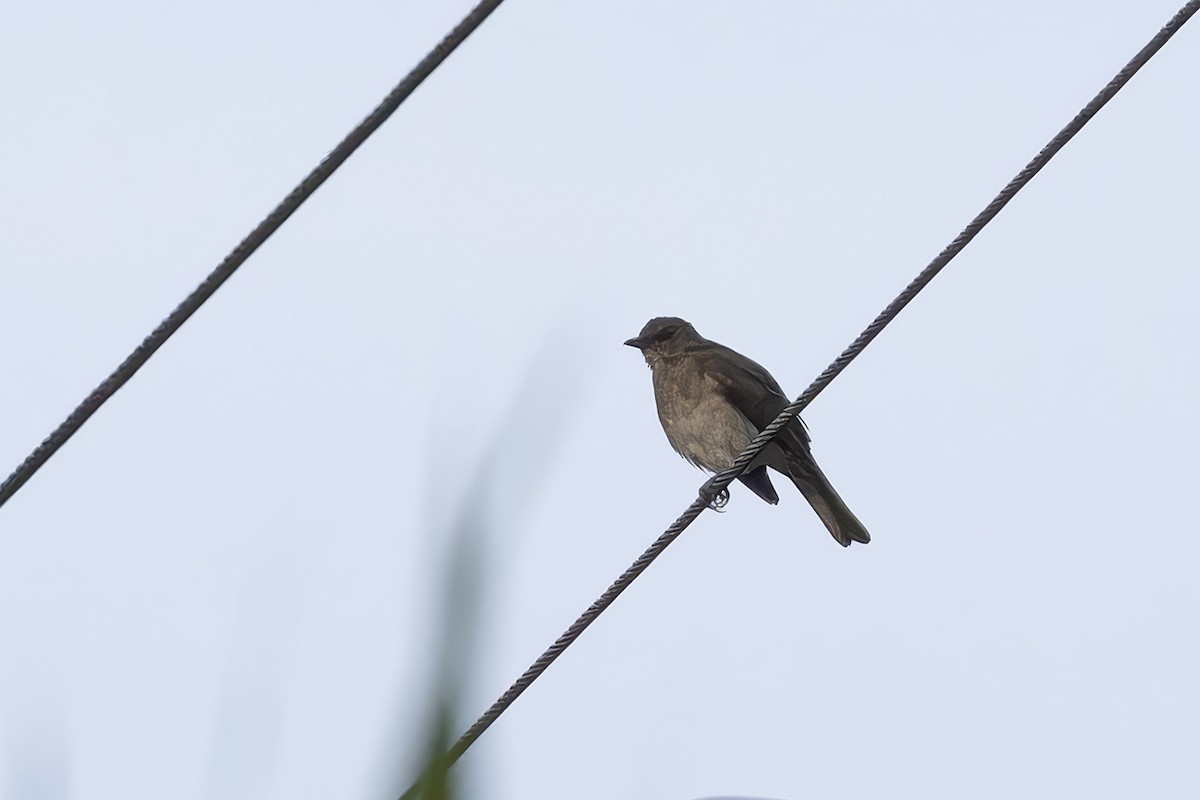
x=712 y=401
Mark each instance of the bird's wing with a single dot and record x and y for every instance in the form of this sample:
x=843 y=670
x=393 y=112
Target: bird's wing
x=760 y=483
x=752 y=391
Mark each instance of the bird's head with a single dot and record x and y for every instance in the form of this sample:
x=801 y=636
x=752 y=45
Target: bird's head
x=663 y=335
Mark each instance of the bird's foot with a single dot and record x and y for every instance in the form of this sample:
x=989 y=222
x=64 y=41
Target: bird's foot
x=715 y=500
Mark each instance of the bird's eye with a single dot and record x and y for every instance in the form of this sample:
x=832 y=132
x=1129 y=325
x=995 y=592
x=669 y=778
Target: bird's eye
x=666 y=333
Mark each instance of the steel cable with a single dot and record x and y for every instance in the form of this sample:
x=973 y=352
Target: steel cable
x=321 y=173
x=722 y=480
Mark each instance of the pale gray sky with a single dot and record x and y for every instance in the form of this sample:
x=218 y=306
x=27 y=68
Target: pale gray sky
x=224 y=586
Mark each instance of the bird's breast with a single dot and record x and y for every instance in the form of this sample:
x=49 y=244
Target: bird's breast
x=700 y=422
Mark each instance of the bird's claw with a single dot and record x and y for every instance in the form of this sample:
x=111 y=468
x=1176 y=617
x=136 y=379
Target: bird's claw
x=715 y=500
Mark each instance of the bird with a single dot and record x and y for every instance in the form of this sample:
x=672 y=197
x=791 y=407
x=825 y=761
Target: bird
x=712 y=401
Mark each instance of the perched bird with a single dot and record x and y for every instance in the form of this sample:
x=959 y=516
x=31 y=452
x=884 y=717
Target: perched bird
x=712 y=401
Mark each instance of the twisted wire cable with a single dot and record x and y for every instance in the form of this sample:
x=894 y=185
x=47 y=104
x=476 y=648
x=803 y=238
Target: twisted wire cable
x=288 y=206
x=723 y=479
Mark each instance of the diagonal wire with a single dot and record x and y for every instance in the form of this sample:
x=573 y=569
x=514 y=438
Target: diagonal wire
x=158 y=337
x=723 y=479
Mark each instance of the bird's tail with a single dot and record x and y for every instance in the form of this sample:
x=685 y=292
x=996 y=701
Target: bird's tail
x=820 y=494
